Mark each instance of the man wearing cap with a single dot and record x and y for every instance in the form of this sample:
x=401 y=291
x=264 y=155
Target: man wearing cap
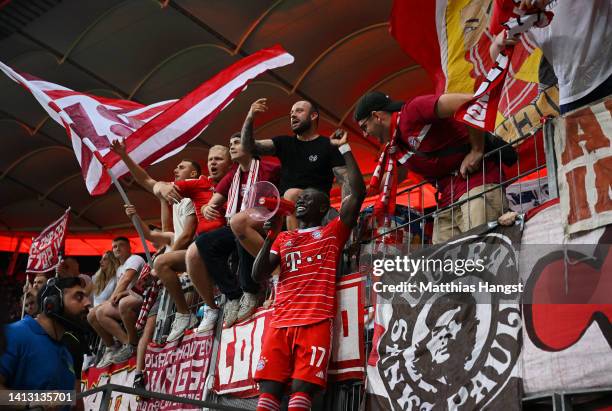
x=423 y=137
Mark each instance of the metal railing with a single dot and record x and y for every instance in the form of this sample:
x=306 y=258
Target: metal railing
x=350 y=396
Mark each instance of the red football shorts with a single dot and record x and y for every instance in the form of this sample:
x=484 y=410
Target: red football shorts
x=298 y=353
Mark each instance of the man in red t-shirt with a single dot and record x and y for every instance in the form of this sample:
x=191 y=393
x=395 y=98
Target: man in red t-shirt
x=444 y=151
x=200 y=191
x=297 y=344
x=207 y=257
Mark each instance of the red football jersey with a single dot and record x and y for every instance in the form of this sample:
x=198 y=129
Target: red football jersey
x=306 y=290
x=200 y=190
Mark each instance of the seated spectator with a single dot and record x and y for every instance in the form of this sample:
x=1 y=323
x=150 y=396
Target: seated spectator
x=111 y=314
x=35 y=359
x=207 y=258
x=162 y=240
x=104 y=280
x=168 y=265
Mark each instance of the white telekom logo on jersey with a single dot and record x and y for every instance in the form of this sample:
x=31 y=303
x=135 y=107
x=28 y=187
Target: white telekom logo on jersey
x=294 y=258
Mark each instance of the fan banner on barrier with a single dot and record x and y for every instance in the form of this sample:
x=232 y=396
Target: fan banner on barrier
x=567 y=332
x=444 y=344
x=119 y=374
x=583 y=146
x=177 y=368
x=236 y=367
x=46 y=248
x=522 y=196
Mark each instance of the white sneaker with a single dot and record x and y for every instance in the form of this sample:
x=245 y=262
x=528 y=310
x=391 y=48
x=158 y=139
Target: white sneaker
x=230 y=312
x=209 y=319
x=107 y=358
x=248 y=305
x=181 y=323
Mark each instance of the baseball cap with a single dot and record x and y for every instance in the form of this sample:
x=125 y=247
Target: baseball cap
x=375 y=101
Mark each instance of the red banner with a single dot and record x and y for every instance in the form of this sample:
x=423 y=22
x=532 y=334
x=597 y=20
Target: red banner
x=177 y=368
x=241 y=345
x=45 y=249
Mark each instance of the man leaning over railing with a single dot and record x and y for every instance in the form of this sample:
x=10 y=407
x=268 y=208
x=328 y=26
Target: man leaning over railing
x=423 y=137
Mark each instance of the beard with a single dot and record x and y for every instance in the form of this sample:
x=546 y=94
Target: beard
x=302 y=126
x=73 y=322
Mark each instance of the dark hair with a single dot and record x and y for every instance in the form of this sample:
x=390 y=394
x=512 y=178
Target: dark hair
x=195 y=165
x=313 y=106
x=121 y=238
x=60 y=282
x=235 y=135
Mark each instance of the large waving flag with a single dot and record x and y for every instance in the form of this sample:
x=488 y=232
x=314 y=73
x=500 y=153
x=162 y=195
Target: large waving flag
x=152 y=132
x=451 y=39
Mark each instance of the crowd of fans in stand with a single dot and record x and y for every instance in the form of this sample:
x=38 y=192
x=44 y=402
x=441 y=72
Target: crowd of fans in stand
x=205 y=225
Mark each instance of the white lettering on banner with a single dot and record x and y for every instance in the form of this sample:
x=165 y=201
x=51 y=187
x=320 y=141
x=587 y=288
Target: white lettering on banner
x=224 y=371
x=242 y=352
x=177 y=369
x=257 y=336
x=119 y=401
x=240 y=346
x=346 y=336
x=45 y=249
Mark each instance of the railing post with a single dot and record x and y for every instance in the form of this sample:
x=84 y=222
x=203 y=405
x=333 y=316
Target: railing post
x=551 y=160
x=106 y=399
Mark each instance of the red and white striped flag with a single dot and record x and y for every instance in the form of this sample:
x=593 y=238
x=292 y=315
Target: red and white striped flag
x=152 y=133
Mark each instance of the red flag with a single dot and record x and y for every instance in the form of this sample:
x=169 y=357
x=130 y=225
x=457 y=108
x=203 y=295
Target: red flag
x=152 y=133
x=481 y=111
x=46 y=248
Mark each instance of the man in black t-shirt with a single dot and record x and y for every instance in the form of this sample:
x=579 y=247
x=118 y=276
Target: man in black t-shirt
x=308 y=160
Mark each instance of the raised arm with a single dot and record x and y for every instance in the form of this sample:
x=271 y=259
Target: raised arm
x=139 y=174
x=266 y=262
x=159 y=237
x=261 y=147
x=342 y=178
x=351 y=205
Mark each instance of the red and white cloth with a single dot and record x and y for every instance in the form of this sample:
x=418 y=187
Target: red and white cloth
x=392 y=152
x=152 y=133
x=481 y=111
x=234 y=191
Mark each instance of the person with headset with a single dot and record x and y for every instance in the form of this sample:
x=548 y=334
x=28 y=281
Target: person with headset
x=35 y=358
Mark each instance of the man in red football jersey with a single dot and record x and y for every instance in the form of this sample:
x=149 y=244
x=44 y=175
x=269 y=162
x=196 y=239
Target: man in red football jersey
x=297 y=344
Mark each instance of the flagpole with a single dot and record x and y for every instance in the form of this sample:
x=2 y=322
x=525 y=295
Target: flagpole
x=135 y=219
x=124 y=196
x=25 y=293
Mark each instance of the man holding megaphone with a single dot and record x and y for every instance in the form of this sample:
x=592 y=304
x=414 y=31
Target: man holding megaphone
x=297 y=344
x=307 y=158
x=207 y=257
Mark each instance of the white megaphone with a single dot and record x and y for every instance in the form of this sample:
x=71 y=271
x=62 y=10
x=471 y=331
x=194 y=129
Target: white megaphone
x=264 y=201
